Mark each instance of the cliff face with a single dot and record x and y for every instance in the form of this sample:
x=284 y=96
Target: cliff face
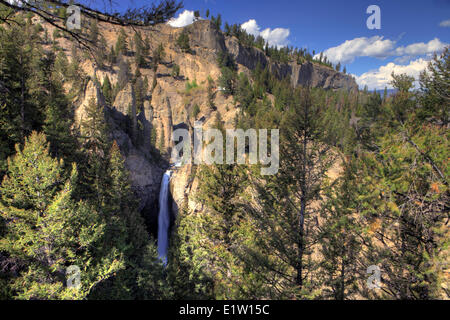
x=144 y=135
x=306 y=74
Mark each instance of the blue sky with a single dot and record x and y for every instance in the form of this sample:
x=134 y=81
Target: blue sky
x=410 y=30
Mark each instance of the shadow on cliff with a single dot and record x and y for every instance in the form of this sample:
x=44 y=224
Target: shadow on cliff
x=137 y=141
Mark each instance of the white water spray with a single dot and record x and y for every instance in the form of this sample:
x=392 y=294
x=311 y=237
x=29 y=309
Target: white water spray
x=164 y=218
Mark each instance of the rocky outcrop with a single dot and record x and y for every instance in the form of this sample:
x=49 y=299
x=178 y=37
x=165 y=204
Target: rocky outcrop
x=204 y=34
x=319 y=76
x=248 y=57
x=306 y=74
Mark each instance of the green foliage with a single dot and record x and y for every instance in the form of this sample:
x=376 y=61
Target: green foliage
x=141 y=50
x=121 y=47
x=191 y=85
x=140 y=90
x=107 y=90
x=210 y=92
x=158 y=56
x=244 y=91
x=183 y=42
x=285 y=202
x=175 y=71
x=195 y=111
x=46 y=231
x=217 y=21
x=226 y=81
x=434 y=89
x=339 y=243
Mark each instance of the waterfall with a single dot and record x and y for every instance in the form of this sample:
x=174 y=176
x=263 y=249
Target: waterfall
x=164 y=218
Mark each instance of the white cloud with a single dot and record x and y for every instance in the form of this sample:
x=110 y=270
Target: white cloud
x=421 y=48
x=277 y=37
x=184 y=19
x=251 y=27
x=378 y=47
x=445 y=23
x=346 y=52
x=381 y=78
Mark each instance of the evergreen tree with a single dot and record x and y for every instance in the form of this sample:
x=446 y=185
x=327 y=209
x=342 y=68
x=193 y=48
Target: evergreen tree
x=121 y=44
x=107 y=90
x=112 y=57
x=183 y=42
x=244 y=91
x=284 y=212
x=226 y=81
x=405 y=195
x=175 y=71
x=139 y=92
x=435 y=87
x=139 y=55
x=158 y=56
x=95 y=141
x=210 y=91
x=125 y=235
x=46 y=232
x=339 y=234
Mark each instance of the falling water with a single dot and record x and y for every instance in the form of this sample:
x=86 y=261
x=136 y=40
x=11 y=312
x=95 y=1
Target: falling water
x=164 y=218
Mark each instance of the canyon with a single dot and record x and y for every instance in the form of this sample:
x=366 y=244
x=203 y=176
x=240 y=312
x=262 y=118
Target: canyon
x=169 y=105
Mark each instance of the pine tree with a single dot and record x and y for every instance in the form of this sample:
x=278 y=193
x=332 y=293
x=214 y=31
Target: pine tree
x=107 y=90
x=158 y=56
x=183 y=42
x=22 y=99
x=112 y=57
x=121 y=44
x=218 y=21
x=46 y=231
x=435 y=87
x=125 y=235
x=339 y=237
x=210 y=91
x=244 y=91
x=284 y=210
x=139 y=91
x=139 y=54
x=95 y=141
x=226 y=81
x=404 y=196
x=175 y=71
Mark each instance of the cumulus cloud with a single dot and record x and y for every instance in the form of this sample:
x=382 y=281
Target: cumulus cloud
x=251 y=27
x=277 y=37
x=346 y=52
x=378 y=47
x=184 y=19
x=421 y=48
x=445 y=23
x=381 y=78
